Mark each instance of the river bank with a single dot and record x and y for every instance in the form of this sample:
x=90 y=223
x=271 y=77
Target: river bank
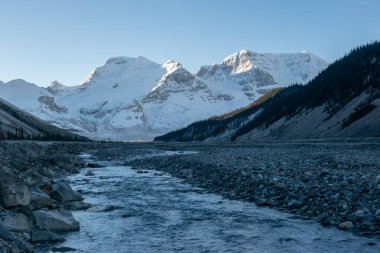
x=334 y=183
x=151 y=211
x=35 y=199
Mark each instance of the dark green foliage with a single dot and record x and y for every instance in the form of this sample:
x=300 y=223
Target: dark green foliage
x=342 y=81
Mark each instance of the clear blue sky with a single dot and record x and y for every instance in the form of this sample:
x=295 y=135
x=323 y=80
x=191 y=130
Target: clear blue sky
x=46 y=40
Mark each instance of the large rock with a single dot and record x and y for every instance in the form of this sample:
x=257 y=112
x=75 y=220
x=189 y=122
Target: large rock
x=40 y=181
x=105 y=208
x=346 y=225
x=39 y=199
x=77 y=205
x=42 y=236
x=17 y=222
x=63 y=192
x=12 y=191
x=62 y=160
x=55 y=221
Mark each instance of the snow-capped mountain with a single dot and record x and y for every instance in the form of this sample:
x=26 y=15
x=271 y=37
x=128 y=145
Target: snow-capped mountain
x=137 y=99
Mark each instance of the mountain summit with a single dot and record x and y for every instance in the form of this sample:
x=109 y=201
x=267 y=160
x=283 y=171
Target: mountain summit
x=137 y=99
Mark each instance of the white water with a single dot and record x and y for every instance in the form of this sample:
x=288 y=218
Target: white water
x=167 y=215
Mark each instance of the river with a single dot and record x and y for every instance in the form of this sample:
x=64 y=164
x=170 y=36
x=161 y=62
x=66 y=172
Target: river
x=155 y=212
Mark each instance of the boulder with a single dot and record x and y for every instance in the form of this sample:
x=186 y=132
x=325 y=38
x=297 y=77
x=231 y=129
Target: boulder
x=39 y=199
x=40 y=181
x=63 y=192
x=346 y=225
x=12 y=191
x=64 y=161
x=17 y=222
x=105 y=208
x=41 y=236
x=77 y=205
x=55 y=221
x=62 y=249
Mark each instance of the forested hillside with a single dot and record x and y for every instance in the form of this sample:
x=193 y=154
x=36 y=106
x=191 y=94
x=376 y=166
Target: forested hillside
x=16 y=124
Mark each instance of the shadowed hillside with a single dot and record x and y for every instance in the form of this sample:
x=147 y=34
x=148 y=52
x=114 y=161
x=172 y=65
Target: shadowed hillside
x=16 y=124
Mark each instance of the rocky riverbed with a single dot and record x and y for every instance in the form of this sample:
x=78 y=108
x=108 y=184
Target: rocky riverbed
x=336 y=183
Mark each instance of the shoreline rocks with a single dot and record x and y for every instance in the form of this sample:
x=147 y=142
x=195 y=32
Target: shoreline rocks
x=33 y=195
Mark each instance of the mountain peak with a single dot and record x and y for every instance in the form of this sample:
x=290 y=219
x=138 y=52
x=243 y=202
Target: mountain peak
x=244 y=52
x=121 y=66
x=125 y=59
x=56 y=85
x=239 y=61
x=171 y=65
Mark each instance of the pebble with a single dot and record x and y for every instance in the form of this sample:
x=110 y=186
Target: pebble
x=346 y=225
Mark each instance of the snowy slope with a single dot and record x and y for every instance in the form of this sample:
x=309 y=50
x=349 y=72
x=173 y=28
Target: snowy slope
x=137 y=99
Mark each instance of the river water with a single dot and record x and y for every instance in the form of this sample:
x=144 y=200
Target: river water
x=160 y=213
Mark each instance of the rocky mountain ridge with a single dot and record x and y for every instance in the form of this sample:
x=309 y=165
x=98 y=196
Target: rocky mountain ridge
x=137 y=99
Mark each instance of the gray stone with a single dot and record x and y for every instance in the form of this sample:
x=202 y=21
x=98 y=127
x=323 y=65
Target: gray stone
x=77 y=205
x=41 y=236
x=12 y=192
x=359 y=213
x=62 y=249
x=63 y=192
x=40 y=181
x=89 y=174
x=106 y=208
x=346 y=225
x=55 y=221
x=292 y=203
x=17 y=222
x=39 y=199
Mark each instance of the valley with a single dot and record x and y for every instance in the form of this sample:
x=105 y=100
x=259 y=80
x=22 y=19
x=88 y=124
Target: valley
x=190 y=126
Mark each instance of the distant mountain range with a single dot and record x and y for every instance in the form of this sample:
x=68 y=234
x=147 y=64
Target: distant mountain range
x=137 y=99
x=342 y=101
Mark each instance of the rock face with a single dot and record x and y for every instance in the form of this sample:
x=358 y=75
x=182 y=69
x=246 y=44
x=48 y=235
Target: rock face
x=55 y=221
x=135 y=98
